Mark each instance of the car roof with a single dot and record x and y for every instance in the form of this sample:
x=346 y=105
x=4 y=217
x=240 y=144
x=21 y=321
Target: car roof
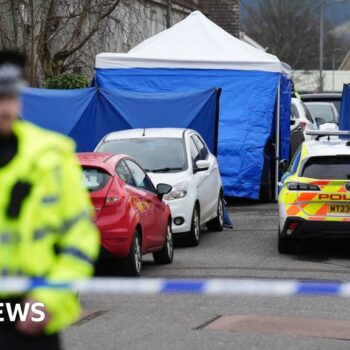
x=147 y=133
x=319 y=103
x=330 y=96
x=324 y=147
x=101 y=160
x=296 y=100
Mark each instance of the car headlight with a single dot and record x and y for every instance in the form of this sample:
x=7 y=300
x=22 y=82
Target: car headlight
x=178 y=191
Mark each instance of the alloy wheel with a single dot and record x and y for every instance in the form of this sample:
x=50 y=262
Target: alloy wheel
x=196 y=224
x=220 y=212
x=169 y=241
x=137 y=255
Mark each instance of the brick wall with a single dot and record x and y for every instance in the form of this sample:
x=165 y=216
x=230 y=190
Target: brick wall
x=190 y=4
x=224 y=13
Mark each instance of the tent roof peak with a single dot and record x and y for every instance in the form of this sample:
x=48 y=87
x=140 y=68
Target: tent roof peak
x=197 y=43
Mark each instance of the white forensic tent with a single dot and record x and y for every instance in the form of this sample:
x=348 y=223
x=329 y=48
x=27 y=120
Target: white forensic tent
x=196 y=42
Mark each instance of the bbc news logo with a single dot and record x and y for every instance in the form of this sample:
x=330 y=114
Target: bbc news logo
x=19 y=312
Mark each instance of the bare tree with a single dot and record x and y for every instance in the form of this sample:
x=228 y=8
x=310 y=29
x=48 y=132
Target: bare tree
x=66 y=35
x=55 y=33
x=290 y=30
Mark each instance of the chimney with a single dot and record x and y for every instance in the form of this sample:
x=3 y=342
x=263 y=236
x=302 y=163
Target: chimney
x=225 y=13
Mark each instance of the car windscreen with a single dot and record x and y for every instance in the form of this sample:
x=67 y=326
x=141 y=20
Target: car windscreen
x=95 y=179
x=307 y=113
x=327 y=168
x=321 y=111
x=154 y=154
x=332 y=99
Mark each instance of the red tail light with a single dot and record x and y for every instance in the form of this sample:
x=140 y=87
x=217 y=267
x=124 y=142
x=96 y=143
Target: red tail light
x=113 y=195
x=110 y=200
x=303 y=125
x=292 y=227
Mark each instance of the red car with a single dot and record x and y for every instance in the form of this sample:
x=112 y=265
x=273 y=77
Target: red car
x=130 y=214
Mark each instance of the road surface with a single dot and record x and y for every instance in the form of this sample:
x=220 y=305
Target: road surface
x=187 y=321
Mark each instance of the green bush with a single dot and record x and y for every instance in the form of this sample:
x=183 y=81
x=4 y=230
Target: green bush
x=67 y=80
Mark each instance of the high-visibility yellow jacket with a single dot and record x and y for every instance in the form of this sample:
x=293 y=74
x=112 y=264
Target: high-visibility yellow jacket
x=51 y=235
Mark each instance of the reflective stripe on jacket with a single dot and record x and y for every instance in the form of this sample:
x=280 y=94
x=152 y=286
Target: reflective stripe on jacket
x=51 y=234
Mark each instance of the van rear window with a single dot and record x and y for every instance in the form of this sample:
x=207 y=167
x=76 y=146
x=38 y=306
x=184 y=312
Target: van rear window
x=327 y=168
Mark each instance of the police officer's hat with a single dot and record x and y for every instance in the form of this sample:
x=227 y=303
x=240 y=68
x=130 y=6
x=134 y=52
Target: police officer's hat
x=12 y=65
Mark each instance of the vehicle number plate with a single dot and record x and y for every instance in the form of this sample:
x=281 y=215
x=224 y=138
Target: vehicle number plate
x=339 y=208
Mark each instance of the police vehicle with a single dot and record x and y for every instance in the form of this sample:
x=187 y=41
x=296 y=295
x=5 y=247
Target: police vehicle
x=314 y=197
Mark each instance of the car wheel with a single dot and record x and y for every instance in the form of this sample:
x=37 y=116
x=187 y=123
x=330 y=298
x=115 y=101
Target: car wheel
x=193 y=236
x=166 y=254
x=217 y=224
x=285 y=245
x=132 y=265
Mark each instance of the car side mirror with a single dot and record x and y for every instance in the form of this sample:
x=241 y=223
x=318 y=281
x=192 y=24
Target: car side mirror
x=320 y=121
x=163 y=189
x=283 y=165
x=201 y=165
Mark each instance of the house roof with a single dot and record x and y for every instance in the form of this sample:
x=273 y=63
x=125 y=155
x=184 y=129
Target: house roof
x=247 y=39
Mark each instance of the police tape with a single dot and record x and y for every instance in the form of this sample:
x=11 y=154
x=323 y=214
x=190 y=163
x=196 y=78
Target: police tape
x=152 y=286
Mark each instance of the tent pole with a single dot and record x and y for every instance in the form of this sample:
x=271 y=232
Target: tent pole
x=278 y=134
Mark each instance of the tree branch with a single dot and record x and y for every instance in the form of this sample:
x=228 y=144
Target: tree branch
x=63 y=54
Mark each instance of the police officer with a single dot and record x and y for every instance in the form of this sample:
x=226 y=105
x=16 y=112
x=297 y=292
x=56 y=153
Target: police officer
x=295 y=93
x=45 y=220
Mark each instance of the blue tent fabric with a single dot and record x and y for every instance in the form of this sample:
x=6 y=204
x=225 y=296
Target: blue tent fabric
x=125 y=99
x=246 y=113
x=195 y=110
x=285 y=113
x=87 y=115
x=58 y=110
x=344 y=118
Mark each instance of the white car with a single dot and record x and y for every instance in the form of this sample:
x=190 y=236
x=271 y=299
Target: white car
x=178 y=157
x=302 y=117
x=325 y=114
